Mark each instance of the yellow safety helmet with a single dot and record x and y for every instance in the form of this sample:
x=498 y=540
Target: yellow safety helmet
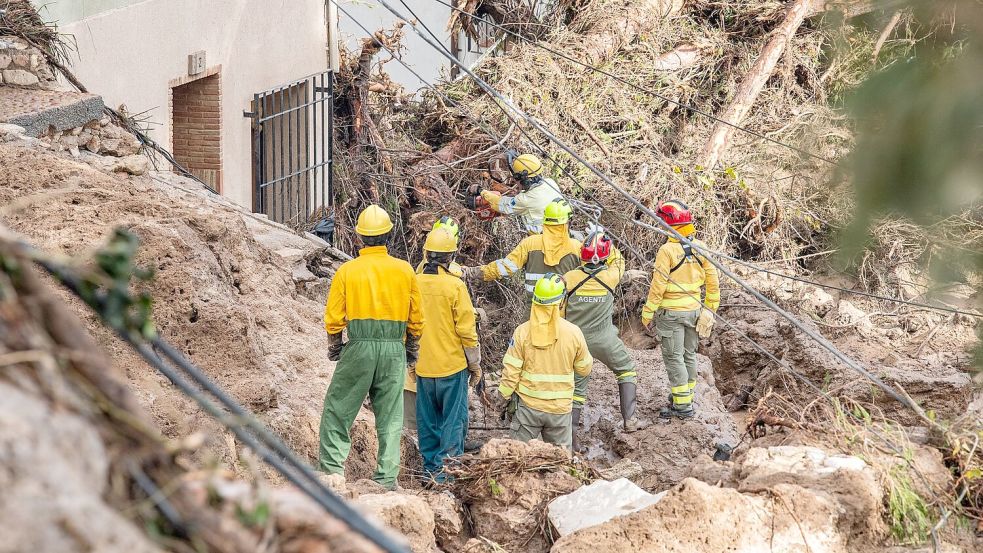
x=527 y=166
x=440 y=240
x=373 y=221
x=450 y=224
x=557 y=212
x=550 y=289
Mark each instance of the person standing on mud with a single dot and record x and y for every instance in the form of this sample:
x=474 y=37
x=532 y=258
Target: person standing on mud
x=680 y=319
x=553 y=251
x=539 y=367
x=375 y=296
x=590 y=306
x=449 y=346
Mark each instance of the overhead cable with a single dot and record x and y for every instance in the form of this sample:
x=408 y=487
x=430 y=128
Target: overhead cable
x=491 y=91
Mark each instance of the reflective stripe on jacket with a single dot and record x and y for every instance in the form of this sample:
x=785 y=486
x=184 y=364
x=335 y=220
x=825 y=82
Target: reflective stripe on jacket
x=374 y=287
x=449 y=313
x=527 y=205
x=683 y=294
x=529 y=255
x=543 y=377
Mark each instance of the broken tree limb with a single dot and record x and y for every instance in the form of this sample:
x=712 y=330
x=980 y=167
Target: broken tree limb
x=759 y=74
x=591 y=135
x=888 y=29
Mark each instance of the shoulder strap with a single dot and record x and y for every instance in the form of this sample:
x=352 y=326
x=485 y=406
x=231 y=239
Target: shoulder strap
x=687 y=252
x=590 y=276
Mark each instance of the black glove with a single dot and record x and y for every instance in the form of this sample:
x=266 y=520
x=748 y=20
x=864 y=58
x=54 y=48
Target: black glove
x=335 y=345
x=412 y=349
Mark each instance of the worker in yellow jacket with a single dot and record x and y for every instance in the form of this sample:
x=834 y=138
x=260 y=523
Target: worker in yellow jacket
x=409 y=387
x=450 y=358
x=553 y=251
x=674 y=302
x=376 y=298
x=538 y=190
x=539 y=367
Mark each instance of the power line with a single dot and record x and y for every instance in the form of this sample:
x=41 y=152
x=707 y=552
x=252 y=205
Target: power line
x=826 y=344
x=187 y=377
x=640 y=88
x=731 y=326
x=945 y=309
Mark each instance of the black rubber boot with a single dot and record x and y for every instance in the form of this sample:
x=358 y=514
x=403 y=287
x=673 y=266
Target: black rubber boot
x=471 y=446
x=627 y=392
x=667 y=413
x=574 y=432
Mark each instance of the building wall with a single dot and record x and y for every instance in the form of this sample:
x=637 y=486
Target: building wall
x=132 y=52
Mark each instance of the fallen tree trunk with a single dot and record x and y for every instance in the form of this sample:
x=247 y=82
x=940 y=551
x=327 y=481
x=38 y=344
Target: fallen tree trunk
x=751 y=86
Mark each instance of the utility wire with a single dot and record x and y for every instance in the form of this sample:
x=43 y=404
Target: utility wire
x=826 y=344
x=242 y=423
x=820 y=284
x=640 y=88
x=625 y=244
x=945 y=309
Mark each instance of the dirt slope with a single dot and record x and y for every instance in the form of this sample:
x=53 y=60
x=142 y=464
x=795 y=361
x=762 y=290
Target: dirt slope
x=221 y=297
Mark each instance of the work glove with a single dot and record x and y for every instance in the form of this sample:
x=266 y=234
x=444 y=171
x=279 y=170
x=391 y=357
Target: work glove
x=649 y=328
x=480 y=315
x=412 y=350
x=704 y=325
x=471 y=272
x=409 y=384
x=473 y=355
x=335 y=345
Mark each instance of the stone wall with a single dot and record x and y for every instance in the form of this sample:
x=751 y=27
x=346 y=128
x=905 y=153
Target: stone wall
x=24 y=66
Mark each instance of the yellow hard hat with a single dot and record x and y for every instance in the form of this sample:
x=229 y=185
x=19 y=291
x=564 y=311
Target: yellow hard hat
x=527 y=166
x=550 y=289
x=373 y=221
x=440 y=240
x=557 y=212
x=448 y=223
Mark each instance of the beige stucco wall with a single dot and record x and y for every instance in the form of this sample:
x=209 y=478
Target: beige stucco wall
x=131 y=53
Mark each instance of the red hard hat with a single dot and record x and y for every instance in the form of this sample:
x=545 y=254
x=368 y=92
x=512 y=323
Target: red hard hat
x=596 y=248
x=674 y=212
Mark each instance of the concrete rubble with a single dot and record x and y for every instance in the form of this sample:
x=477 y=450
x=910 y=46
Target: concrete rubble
x=598 y=503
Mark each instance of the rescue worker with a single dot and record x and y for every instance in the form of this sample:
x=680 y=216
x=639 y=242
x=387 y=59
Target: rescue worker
x=375 y=296
x=590 y=306
x=449 y=346
x=538 y=190
x=539 y=367
x=553 y=251
x=679 y=316
x=409 y=387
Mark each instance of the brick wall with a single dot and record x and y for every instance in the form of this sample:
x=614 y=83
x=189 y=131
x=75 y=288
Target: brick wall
x=196 y=128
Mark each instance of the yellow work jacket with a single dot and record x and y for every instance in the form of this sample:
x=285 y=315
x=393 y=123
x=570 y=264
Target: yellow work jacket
x=530 y=256
x=527 y=205
x=454 y=268
x=543 y=377
x=377 y=289
x=683 y=293
x=451 y=325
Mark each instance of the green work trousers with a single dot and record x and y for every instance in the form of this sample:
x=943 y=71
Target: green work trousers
x=605 y=346
x=529 y=424
x=677 y=334
x=372 y=364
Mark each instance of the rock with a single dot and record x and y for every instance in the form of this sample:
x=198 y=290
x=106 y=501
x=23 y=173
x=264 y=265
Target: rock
x=407 y=514
x=5 y=60
x=818 y=301
x=132 y=165
x=598 y=503
x=94 y=144
x=696 y=516
x=19 y=77
x=449 y=524
x=625 y=468
x=116 y=141
x=11 y=130
x=365 y=486
x=291 y=255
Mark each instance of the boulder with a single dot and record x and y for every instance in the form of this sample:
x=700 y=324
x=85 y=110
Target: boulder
x=19 y=77
x=409 y=515
x=132 y=165
x=450 y=529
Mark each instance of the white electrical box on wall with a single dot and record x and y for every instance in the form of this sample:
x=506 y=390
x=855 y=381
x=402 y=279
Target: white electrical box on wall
x=196 y=63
